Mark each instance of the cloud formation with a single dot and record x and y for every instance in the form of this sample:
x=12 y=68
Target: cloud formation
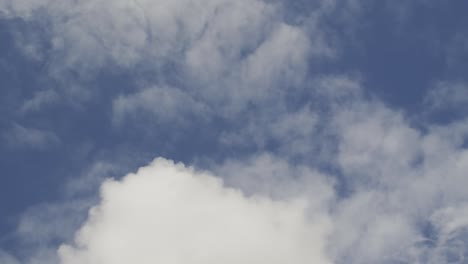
x=317 y=170
x=169 y=213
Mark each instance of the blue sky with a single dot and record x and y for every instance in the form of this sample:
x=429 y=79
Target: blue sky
x=356 y=108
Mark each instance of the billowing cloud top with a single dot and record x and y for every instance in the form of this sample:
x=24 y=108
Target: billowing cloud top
x=172 y=214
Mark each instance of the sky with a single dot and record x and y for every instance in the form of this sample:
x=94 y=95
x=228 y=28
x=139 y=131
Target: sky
x=248 y=131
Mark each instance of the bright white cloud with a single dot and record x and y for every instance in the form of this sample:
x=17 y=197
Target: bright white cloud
x=169 y=213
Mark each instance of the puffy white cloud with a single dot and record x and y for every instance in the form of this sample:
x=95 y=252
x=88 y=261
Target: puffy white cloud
x=169 y=213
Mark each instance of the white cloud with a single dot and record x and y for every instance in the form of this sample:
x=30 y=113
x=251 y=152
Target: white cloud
x=99 y=31
x=376 y=143
x=399 y=178
x=244 y=56
x=229 y=54
x=172 y=214
x=274 y=177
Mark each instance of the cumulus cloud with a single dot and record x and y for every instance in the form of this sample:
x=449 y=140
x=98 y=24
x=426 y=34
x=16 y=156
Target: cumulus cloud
x=169 y=213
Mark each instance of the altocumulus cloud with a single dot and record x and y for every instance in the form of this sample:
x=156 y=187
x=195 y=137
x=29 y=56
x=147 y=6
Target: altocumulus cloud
x=169 y=213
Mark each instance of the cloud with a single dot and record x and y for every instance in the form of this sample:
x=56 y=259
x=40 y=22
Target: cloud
x=233 y=65
x=169 y=213
x=125 y=32
x=369 y=182
x=376 y=143
x=39 y=99
x=6 y=258
x=227 y=54
x=451 y=225
x=289 y=130
x=163 y=104
x=447 y=97
x=19 y=136
x=272 y=176
x=398 y=179
x=405 y=202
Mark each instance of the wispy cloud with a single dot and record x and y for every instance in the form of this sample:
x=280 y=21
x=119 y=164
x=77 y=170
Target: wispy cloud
x=19 y=136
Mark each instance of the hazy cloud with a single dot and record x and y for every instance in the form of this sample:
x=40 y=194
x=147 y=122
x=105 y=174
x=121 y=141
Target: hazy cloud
x=19 y=136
